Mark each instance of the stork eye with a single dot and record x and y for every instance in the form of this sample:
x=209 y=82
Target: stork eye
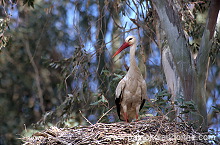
x=130 y=39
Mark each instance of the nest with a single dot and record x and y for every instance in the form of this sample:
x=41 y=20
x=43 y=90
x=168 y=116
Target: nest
x=156 y=130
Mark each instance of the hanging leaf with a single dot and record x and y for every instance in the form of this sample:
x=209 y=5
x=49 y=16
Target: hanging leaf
x=29 y=2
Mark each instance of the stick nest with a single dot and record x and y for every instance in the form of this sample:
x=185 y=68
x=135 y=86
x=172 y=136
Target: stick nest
x=154 y=130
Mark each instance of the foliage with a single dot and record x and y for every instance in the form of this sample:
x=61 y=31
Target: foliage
x=3 y=27
x=56 y=65
x=29 y=2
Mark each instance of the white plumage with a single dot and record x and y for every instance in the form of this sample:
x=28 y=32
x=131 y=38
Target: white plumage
x=130 y=93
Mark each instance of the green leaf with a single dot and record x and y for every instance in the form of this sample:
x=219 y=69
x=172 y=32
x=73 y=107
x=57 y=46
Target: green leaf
x=184 y=112
x=183 y=106
x=180 y=100
x=29 y=2
x=105 y=71
x=175 y=102
x=119 y=76
x=94 y=103
x=216 y=108
x=102 y=100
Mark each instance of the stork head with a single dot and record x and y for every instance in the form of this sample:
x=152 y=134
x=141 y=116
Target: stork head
x=129 y=41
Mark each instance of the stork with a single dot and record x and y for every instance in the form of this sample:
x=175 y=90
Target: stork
x=130 y=93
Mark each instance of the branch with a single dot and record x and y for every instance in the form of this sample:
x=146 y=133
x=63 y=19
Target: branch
x=105 y=114
x=85 y=117
x=212 y=16
x=205 y=46
x=171 y=24
x=36 y=76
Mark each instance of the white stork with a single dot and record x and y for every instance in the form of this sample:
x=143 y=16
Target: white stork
x=130 y=93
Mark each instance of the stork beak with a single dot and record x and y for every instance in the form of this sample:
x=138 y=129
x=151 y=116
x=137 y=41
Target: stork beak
x=125 y=45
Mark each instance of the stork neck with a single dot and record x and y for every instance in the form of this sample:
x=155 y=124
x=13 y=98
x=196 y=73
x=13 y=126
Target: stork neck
x=132 y=56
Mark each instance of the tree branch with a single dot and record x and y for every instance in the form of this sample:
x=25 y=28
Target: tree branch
x=205 y=46
x=212 y=17
x=171 y=24
x=36 y=76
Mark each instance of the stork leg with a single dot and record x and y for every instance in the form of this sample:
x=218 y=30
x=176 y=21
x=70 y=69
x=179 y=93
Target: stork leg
x=126 y=116
x=136 y=116
x=137 y=112
x=124 y=106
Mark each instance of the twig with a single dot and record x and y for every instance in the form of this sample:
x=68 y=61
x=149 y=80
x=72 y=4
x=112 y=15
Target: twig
x=121 y=34
x=36 y=75
x=105 y=114
x=85 y=118
x=120 y=133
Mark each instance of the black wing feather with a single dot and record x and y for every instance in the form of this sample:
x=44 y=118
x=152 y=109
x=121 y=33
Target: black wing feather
x=142 y=104
x=118 y=105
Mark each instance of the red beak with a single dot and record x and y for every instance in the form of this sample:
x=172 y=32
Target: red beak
x=125 y=45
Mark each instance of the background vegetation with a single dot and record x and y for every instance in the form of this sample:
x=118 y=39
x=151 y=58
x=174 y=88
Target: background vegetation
x=56 y=66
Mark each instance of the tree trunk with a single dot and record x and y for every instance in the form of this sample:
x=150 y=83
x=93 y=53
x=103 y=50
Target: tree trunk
x=173 y=80
x=192 y=76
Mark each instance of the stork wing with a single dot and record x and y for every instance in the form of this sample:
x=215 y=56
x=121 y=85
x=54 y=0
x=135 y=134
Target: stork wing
x=143 y=93
x=143 y=89
x=120 y=88
x=119 y=96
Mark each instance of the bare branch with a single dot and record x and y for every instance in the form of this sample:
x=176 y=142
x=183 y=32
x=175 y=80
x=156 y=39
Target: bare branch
x=105 y=113
x=85 y=117
x=37 y=75
x=212 y=17
x=205 y=46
